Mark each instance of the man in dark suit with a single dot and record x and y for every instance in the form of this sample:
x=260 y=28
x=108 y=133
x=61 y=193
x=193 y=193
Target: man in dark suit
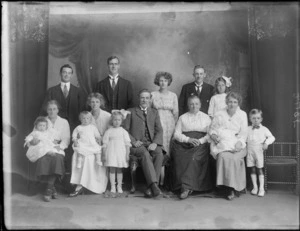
x=71 y=101
x=146 y=134
x=198 y=87
x=116 y=90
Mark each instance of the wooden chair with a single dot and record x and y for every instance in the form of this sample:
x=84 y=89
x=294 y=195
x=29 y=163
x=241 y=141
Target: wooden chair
x=134 y=164
x=283 y=154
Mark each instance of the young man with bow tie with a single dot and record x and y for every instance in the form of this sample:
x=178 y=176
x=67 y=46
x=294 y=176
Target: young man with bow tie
x=116 y=90
x=203 y=90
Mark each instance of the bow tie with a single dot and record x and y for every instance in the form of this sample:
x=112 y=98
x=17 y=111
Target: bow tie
x=255 y=127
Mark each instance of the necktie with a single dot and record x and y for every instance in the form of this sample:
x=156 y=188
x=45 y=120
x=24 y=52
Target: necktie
x=144 y=113
x=66 y=92
x=113 y=85
x=255 y=127
x=198 y=89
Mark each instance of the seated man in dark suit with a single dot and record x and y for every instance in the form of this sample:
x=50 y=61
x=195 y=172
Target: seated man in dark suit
x=203 y=90
x=71 y=101
x=146 y=134
x=116 y=90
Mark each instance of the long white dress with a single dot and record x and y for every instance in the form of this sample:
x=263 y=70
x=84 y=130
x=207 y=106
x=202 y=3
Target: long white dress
x=87 y=144
x=115 y=141
x=217 y=103
x=231 y=170
x=167 y=106
x=92 y=176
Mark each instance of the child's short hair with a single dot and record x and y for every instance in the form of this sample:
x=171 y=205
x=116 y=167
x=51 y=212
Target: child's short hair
x=115 y=113
x=254 y=112
x=40 y=119
x=221 y=79
x=84 y=113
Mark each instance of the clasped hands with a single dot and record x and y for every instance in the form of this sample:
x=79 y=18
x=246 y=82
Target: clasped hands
x=194 y=142
x=139 y=143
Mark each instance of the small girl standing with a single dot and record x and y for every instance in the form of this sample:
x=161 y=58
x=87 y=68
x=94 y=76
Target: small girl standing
x=86 y=139
x=116 y=147
x=45 y=137
x=258 y=140
x=218 y=101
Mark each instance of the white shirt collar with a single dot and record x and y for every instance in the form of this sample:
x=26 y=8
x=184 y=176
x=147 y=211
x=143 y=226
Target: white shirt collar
x=143 y=109
x=198 y=85
x=111 y=77
x=62 y=85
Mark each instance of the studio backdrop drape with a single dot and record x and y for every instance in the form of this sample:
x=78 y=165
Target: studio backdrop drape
x=28 y=62
x=273 y=57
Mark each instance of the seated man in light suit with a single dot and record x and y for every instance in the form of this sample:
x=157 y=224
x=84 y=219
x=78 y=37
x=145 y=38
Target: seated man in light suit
x=146 y=134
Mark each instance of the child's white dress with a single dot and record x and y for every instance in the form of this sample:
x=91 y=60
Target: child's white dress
x=217 y=103
x=45 y=145
x=227 y=138
x=115 y=141
x=86 y=137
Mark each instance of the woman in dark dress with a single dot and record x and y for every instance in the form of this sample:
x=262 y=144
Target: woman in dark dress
x=190 y=151
x=51 y=166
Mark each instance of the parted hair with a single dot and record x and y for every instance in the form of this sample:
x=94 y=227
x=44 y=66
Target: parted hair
x=65 y=66
x=53 y=101
x=220 y=79
x=234 y=95
x=111 y=58
x=164 y=74
x=198 y=67
x=255 y=111
x=193 y=97
x=144 y=90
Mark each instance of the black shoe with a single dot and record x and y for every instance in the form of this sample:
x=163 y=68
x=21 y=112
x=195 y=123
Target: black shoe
x=185 y=194
x=77 y=192
x=148 y=193
x=231 y=195
x=155 y=190
x=47 y=195
x=54 y=193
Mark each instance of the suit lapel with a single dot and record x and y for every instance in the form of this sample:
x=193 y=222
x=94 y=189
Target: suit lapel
x=139 y=113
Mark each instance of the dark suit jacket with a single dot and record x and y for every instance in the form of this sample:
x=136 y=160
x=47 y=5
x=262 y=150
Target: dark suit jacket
x=190 y=89
x=76 y=103
x=135 y=125
x=124 y=94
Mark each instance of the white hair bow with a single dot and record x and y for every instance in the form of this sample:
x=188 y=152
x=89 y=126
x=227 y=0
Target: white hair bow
x=122 y=111
x=227 y=80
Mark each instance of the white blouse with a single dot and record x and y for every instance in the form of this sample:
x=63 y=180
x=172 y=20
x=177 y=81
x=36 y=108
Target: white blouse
x=217 y=103
x=199 y=122
x=61 y=129
x=238 y=123
x=102 y=122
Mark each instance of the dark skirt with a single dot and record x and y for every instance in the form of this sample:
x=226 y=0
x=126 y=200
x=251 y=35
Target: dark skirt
x=190 y=165
x=49 y=165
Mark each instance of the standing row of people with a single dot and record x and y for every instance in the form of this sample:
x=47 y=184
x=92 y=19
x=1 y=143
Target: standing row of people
x=147 y=134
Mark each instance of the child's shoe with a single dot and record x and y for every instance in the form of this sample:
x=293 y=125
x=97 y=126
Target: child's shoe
x=261 y=193
x=254 y=191
x=119 y=188
x=113 y=189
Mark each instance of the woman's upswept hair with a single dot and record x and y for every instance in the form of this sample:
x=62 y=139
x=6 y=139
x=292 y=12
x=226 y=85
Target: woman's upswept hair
x=97 y=96
x=164 y=74
x=53 y=101
x=234 y=95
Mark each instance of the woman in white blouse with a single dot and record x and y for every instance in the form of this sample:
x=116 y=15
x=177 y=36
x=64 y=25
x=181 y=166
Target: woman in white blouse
x=51 y=166
x=190 y=151
x=91 y=175
x=230 y=166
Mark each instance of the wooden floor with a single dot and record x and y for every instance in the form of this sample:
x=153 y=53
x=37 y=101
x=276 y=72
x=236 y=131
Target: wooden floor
x=279 y=209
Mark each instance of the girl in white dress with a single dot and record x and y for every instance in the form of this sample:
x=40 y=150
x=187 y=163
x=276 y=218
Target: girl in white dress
x=86 y=139
x=44 y=136
x=218 y=101
x=166 y=103
x=116 y=147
